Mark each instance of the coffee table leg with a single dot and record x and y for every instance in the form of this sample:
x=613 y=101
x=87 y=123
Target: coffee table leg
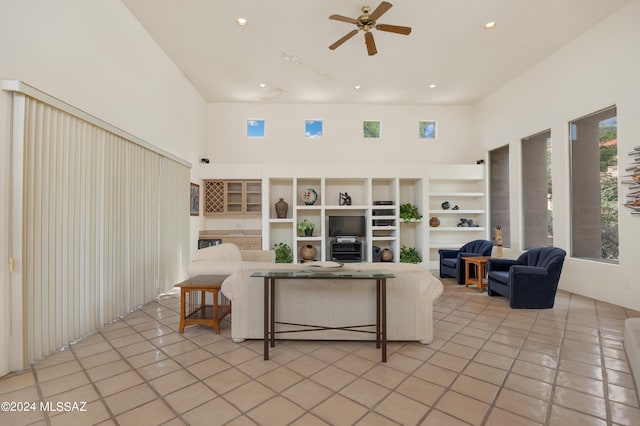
x=378 y=313
x=383 y=311
x=266 y=318
x=272 y=312
x=183 y=300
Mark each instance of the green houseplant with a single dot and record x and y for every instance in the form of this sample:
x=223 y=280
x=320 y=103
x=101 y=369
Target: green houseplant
x=409 y=212
x=305 y=227
x=283 y=253
x=409 y=255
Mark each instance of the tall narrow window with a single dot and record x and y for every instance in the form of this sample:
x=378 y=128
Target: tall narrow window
x=537 y=204
x=594 y=186
x=499 y=192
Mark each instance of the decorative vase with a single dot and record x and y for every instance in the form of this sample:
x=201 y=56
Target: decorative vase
x=386 y=255
x=445 y=205
x=434 y=222
x=281 y=208
x=308 y=252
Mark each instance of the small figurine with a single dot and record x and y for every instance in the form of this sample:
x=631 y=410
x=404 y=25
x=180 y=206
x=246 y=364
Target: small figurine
x=345 y=199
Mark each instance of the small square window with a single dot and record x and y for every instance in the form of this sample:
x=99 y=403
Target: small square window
x=255 y=128
x=427 y=130
x=371 y=129
x=313 y=128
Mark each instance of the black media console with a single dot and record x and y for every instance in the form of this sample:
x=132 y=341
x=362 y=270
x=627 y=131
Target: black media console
x=346 y=252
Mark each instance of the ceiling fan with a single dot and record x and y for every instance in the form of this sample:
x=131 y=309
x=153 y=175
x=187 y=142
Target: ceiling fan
x=366 y=22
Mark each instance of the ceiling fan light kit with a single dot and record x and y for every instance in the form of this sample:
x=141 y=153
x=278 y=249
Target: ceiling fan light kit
x=366 y=22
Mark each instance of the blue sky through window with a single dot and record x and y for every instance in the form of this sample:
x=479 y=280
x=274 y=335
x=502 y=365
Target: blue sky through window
x=313 y=128
x=255 y=128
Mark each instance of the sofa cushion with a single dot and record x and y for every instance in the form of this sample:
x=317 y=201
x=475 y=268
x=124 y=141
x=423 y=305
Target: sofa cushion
x=227 y=252
x=450 y=261
x=501 y=276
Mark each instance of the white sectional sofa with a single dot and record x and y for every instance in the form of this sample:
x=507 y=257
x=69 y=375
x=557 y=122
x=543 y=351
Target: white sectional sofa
x=333 y=303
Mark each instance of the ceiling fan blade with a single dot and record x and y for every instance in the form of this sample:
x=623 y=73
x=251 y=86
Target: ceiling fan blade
x=371 y=44
x=343 y=39
x=394 y=29
x=343 y=19
x=380 y=10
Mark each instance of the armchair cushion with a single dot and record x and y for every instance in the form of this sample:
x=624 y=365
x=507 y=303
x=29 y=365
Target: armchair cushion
x=529 y=282
x=452 y=262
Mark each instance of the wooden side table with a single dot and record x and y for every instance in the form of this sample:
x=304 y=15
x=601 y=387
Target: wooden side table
x=193 y=307
x=479 y=264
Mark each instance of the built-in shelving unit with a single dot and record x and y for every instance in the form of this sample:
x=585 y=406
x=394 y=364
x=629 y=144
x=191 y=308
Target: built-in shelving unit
x=376 y=199
x=467 y=200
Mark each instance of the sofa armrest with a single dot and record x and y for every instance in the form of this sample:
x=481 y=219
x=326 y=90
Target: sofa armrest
x=258 y=255
x=499 y=264
x=445 y=254
x=463 y=254
x=521 y=270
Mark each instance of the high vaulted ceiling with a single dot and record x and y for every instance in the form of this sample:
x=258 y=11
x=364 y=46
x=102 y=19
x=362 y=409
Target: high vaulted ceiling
x=285 y=46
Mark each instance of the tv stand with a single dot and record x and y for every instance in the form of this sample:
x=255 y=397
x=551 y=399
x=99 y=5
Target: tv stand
x=346 y=252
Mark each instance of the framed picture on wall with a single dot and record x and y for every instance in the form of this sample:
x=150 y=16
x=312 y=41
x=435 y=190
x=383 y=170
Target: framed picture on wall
x=371 y=129
x=427 y=130
x=313 y=128
x=194 y=199
x=255 y=129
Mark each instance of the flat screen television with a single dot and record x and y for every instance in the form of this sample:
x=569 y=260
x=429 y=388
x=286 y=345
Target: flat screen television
x=352 y=226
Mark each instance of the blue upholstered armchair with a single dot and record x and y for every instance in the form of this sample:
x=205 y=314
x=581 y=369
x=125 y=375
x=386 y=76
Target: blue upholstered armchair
x=529 y=282
x=452 y=264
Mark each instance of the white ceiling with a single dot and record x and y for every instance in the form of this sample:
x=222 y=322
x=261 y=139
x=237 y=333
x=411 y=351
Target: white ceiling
x=285 y=45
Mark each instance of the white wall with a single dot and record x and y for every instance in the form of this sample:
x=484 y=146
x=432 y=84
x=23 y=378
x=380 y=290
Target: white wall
x=598 y=69
x=342 y=141
x=232 y=155
x=97 y=57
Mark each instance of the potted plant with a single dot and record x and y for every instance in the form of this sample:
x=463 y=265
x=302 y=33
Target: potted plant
x=305 y=227
x=409 y=212
x=283 y=253
x=409 y=255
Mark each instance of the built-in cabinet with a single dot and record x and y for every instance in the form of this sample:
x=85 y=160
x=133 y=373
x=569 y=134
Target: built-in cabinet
x=232 y=197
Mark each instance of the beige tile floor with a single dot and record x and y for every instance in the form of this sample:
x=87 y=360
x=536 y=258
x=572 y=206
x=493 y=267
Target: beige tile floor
x=488 y=364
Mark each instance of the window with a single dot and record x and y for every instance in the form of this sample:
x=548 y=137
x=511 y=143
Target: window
x=499 y=192
x=537 y=206
x=594 y=186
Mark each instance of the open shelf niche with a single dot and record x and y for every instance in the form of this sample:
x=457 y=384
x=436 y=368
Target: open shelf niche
x=467 y=200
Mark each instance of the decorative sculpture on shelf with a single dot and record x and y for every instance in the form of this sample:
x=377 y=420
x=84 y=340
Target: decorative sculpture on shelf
x=345 y=199
x=466 y=223
x=498 y=238
x=445 y=205
x=281 y=208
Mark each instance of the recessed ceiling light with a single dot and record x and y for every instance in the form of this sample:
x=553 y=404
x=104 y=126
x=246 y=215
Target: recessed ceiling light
x=490 y=25
x=241 y=21
x=357 y=87
x=263 y=85
x=432 y=86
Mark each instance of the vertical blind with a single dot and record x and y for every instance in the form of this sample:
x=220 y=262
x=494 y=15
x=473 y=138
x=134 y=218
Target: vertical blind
x=105 y=227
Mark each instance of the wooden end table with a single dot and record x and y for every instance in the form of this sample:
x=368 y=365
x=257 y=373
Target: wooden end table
x=193 y=307
x=479 y=263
